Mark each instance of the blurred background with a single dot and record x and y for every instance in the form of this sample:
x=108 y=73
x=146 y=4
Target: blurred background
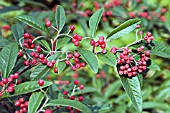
x=104 y=89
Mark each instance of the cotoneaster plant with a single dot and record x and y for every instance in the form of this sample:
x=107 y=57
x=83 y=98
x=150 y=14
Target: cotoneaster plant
x=42 y=54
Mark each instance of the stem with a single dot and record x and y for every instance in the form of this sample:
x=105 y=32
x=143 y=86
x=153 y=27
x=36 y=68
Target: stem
x=136 y=35
x=20 y=42
x=93 y=49
x=54 y=28
x=38 y=38
x=86 y=38
x=73 y=90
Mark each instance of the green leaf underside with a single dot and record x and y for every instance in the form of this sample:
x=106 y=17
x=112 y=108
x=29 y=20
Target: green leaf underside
x=39 y=72
x=62 y=41
x=33 y=22
x=3 y=42
x=72 y=103
x=132 y=88
x=26 y=87
x=45 y=44
x=90 y=59
x=94 y=21
x=8 y=57
x=161 y=50
x=154 y=66
x=35 y=101
x=18 y=32
x=61 y=66
x=109 y=58
x=123 y=29
x=60 y=17
x=54 y=56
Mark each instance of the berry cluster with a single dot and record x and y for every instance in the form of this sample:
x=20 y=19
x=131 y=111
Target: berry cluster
x=8 y=83
x=76 y=58
x=149 y=15
x=28 y=41
x=101 y=42
x=148 y=38
x=80 y=98
x=128 y=66
x=22 y=104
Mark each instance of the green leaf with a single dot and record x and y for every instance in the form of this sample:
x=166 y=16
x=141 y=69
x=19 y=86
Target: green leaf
x=94 y=21
x=132 y=88
x=109 y=58
x=90 y=59
x=54 y=56
x=39 y=72
x=45 y=44
x=8 y=57
x=61 y=66
x=62 y=41
x=161 y=49
x=154 y=66
x=34 y=22
x=18 y=32
x=156 y=105
x=3 y=42
x=26 y=87
x=73 y=103
x=35 y=101
x=60 y=17
x=123 y=29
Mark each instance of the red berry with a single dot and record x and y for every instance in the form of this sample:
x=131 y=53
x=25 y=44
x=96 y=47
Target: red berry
x=19 y=54
x=21 y=100
x=47 y=111
x=104 y=51
x=32 y=54
x=67 y=62
x=36 y=55
x=24 y=109
x=53 y=61
x=34 y=61
x=76 y=43
x=65 y=92
x=69 y=108
x=50 y=64
x=72 y=28
x=76 y=54
x=16 y=75
x=69 y=56
x=10 y=79
x=41 y=56
x=26 y=103
x=81 y=87
x=5 y=80
x=48 y=23
x=75 y=36
x=80 y=98
x=73 y=68
x=17 y=103
x=92 y=42
x=55 y=70
x=76 y=82
x=26 y=63
x=22 y=105
x=137 y=26
x=44 y=61
x=27 y=35
x=40 y=82
x=83 y=64
x=72 y=98
x=147 y=53
x=1 y=84
x=76 y=60
x=79 y=38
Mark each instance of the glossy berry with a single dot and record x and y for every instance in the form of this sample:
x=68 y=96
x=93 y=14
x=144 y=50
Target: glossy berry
x=26 y=63
x=147 y=53
x=17 y=103
x=76 y=82
x=65 y=92
x=81 y=87
x=72 y=28
x=72 y=98
x=47 y=111
x=67 y=62
x=10 y=89
x=55 y=70
x=50 y=64
x=92 y=42
x=69 y=108
x=80 y=98
x=48 y=23
x=21 y=100
x=27 y=35
x=73 y=68
x=76 y=54
x=4 y=80
x=40 y=82
x=24 y=109
x=69 y=56
x=19 y=54
x=137 y=26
